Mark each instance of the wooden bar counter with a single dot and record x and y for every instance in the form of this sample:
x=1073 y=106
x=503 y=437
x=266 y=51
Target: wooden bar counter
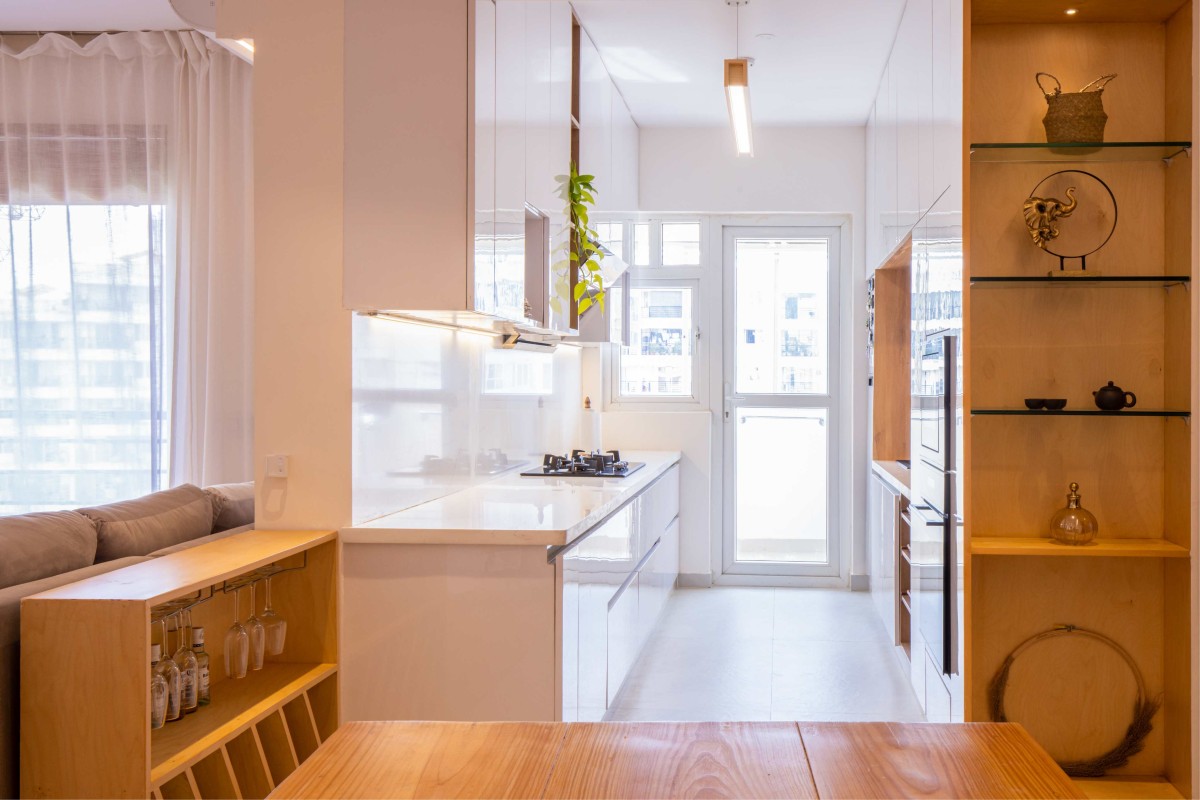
x=677 y=759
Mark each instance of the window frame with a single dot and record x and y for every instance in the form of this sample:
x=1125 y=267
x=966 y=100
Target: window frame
x=656 y=276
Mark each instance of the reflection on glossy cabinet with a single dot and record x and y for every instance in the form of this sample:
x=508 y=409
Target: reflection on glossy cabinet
x=883 y=512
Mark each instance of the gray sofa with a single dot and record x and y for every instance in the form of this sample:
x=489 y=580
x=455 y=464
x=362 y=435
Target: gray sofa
x=43 y=551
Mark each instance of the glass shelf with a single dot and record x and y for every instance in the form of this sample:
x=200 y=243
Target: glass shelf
x=1075 y=412
x=1097 y=548
x=1111 y=281
x=1070 y=152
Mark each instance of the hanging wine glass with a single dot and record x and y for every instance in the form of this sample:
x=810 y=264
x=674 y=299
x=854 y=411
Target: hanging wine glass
x=237 y=643
x=275 y=625
x=258 y=634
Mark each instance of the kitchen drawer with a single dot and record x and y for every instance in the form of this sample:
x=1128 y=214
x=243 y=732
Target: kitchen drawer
x=659 y=506
x=623 y=635
x=657 y=579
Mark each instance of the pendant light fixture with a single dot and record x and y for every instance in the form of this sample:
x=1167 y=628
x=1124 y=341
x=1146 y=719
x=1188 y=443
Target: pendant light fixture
x=737 y=89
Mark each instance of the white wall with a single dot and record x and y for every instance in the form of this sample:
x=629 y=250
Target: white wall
x=794 y=171
x=301 y=333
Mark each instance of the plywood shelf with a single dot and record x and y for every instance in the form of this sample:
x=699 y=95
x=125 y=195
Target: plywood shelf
x=236 y=705
x=1131 y=788
x=1099 y=548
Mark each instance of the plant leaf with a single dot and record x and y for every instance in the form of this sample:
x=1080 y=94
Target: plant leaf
x=580 y=289
x=585 y=304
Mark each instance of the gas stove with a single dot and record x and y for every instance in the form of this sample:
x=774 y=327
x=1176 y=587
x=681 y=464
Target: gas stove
x=582 y=464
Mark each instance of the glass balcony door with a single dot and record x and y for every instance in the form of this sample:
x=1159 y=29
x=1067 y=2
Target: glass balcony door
x=780 y=406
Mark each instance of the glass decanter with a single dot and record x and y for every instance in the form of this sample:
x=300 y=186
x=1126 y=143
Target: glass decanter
x=185 y=659
x=158 y=690
x=1073 y=525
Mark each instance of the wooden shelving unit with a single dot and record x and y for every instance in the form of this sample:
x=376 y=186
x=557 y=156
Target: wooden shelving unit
x=1032 y=334
x=1099 y=548
x=85 y=666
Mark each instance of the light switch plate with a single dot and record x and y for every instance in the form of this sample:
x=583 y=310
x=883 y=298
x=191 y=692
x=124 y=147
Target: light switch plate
x=277 y=466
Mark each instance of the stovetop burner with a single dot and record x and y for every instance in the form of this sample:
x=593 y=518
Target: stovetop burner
x=582 y=464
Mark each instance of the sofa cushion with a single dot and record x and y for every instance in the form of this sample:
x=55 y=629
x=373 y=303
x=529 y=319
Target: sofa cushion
x=233 y=504
x=10 y=660
x=35 y=546
x=141 y=526
x=176 y=548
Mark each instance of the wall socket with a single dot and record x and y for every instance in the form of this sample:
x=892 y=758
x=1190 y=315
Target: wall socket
x=277 y=466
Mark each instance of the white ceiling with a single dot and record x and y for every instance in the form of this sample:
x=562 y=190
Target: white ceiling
x=88 y=15
x=821 y=68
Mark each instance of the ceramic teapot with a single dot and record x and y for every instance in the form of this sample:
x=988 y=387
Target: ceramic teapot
x=1114 y=398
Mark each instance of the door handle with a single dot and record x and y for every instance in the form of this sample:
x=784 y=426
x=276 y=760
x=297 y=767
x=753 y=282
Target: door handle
x=728 y=403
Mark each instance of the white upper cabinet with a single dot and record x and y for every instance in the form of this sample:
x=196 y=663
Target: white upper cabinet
x=486 y=206
x=595 y=120
x=457 y=126
x=914 y=137
x=512 y=82
x=623 y=182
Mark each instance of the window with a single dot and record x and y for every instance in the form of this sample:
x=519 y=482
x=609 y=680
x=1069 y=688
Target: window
x=83 y=371
x=680 y=244
x=659 y=363
x=658 y=360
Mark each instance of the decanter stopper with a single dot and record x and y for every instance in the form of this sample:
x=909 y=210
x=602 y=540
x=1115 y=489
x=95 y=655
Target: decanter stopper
x=1074 y=524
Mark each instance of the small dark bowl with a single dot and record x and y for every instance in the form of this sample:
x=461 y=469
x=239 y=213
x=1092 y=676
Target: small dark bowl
x=1034 y=403
x=1056 y=404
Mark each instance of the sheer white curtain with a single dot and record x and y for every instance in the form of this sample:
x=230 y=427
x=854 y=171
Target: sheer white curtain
x=121 y=369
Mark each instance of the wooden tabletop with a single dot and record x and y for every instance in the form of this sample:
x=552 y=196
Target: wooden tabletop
x=677 y=759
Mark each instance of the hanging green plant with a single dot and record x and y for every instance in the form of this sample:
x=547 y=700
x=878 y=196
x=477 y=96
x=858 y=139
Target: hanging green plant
x=580 y=195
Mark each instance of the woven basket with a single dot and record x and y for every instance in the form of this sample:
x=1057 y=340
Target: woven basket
x=1074 y=116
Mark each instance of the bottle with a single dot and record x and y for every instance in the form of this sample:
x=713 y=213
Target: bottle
x=158 y=690
x=185 y=659
x=1074 y=524
x=170 y=672
x=202 y=696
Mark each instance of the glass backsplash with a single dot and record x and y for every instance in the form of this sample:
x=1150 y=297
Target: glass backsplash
x=438 y=410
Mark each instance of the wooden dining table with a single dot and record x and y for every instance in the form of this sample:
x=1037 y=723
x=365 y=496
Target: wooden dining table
x=676 y=760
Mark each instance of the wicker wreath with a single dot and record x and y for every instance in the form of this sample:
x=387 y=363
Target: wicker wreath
x=1144 y=708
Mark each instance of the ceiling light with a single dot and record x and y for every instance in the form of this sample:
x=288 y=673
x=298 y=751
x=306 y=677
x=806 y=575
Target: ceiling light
x=737 y=95
x=1070 y=12
x=737 y=88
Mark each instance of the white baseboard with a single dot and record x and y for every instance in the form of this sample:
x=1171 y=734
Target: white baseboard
x=860 y=583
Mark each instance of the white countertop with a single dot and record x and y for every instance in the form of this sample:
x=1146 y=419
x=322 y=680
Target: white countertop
x=511 y=509
x=898 y=476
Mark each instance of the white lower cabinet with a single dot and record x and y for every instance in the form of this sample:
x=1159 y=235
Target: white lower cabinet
x=937 y=695
x=624 y=643
x=615 y=583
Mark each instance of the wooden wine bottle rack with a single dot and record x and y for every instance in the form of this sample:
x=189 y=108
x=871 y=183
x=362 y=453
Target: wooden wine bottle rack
x=85 y=667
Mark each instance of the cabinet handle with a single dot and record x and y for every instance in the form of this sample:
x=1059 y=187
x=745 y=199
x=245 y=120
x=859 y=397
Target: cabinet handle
x=633 y=573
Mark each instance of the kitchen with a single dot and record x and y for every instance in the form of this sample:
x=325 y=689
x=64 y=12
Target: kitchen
x=736 y=436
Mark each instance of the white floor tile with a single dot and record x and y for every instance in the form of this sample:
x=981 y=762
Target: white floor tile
x=826 y=615
x=730 y=613
x=753 y=654
x=840 y=678
x=696 y=675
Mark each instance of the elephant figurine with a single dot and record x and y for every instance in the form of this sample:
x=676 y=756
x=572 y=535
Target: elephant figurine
x=1042 y=214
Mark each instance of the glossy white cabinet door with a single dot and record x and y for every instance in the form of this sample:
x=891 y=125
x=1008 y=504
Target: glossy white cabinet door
x=882 y=512
x=657 y=579
x=593 y=571
x=484 y=297
x=559 y=148
x=595 y=121
x=623 y=635
x=623 y=191
x=511 y=84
